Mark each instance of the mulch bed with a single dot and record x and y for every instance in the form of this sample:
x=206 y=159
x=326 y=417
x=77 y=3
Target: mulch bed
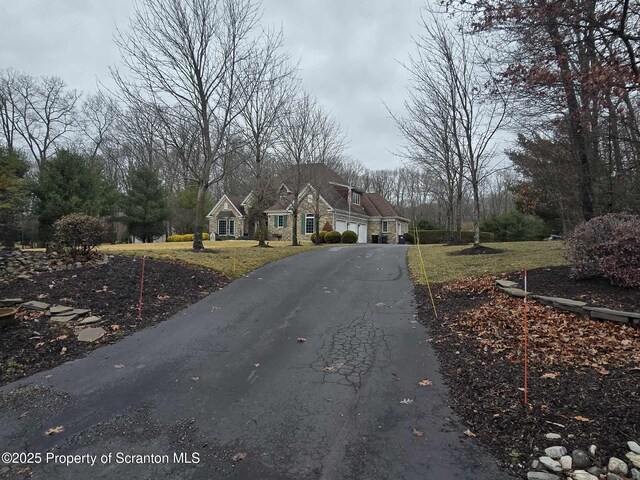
x=584 y=375
x=556 y=282
x=110 y=291
x=481 y=250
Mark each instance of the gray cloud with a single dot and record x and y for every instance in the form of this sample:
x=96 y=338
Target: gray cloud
x=349 y=54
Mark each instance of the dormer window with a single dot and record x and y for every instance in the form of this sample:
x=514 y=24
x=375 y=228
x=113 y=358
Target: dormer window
x=356 y=198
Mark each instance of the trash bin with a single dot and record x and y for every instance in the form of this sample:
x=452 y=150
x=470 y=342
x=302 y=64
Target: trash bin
x=374 y=238
x=401 y=239
x=383 y=238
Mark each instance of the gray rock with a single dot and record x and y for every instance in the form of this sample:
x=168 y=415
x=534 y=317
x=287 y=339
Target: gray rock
x=90 y=320
x=617 y=466
x=506 y=283
x=551 y=464
x=91 y=334
x=553 y=436
x=635 y=459
x=34 y=305
x=81 y=312
x=536 y=465
x=566 y=462
x=569 y=305
x=634 y=447
x=59 y=309
x=542 y=476
x=580 y=459
x=593 y=450
x=10 y=302
x=64 y=318
x=514 y=292
x=613 y=476
x=24 y=277
x=555 y=452
x=582 y=475
x=613 y=315
x=596 y=471
x=635 y=474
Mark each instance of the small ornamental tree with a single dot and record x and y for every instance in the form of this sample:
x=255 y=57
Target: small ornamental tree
x=79 y=233
x=145 y=206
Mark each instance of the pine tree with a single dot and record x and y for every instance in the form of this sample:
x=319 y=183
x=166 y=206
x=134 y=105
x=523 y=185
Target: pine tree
x=145 y=206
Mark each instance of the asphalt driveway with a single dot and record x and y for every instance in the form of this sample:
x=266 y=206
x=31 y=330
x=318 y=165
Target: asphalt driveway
x=228 y=377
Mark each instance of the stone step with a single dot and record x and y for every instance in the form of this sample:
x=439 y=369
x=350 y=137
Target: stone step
x=507 y=284
x=9 y=302
x=614 y=315
x=514 y=292
x=35 y=305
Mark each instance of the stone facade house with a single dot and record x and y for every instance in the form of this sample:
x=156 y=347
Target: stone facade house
x=324 y=198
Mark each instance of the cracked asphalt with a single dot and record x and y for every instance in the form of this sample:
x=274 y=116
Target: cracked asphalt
x=228 y=376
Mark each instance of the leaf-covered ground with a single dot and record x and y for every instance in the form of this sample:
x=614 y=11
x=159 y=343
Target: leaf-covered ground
x=584 y=375
x=110 y=291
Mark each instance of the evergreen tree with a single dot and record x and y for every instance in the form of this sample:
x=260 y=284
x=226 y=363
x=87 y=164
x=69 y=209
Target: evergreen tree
x=70 y=183
x=145 y=206
x=13 y=193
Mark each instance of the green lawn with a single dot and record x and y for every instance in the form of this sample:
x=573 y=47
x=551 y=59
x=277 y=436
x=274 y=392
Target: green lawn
x=232 y=258
x=441 y=267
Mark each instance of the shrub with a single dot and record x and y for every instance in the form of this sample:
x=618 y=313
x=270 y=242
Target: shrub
x=318 y=238
x=322 y=234
x=349 y=236
x=439 y=236
x=332 y=237
x=516 y=227
x=186 y=237
x=609 y=247
x=79 y=233
x=409 y=237
x=314 y=238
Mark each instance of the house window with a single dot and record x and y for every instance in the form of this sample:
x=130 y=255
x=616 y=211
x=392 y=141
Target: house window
x=385 y=226
x=355 y=198
x=310 y=223
x=232 y=227
x=222 y=227
x=280 y=221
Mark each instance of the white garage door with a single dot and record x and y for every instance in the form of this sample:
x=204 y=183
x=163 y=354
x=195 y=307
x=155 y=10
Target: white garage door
x=362 y=233
x=341 y=226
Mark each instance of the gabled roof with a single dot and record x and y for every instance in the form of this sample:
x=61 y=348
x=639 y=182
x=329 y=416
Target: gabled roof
x=236 y=204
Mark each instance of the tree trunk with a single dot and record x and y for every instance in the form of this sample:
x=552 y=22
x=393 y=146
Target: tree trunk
x=198 y=223
x=476 y=214
x=294 y=236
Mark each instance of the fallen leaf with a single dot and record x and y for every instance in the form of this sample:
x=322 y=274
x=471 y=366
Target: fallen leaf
x=330 y=369
x=23 y=471
x=425 y=383
x=551 y=375
x=602 y=371
x=406 y=401
x=301 y=339
x=115 y=328
x=417 y=433
x=162 y=298
x=581 y=418
x=42 y=295
x=54 y=430
x=62 y=337
x=118 y=366
x=238 y=457
x=469 y=433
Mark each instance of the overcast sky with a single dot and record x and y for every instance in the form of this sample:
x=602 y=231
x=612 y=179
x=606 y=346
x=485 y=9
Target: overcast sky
x=349 y=54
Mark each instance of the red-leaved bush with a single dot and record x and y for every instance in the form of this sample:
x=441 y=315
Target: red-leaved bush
x=609 y=247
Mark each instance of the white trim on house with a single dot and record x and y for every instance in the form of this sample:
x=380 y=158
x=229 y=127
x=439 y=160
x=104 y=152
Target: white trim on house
x=303 y=195
x=246 y=202
x=215 y=207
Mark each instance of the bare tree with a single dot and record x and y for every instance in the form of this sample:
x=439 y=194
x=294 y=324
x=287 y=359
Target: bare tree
x=9 y=106
x=269 y=86
x=187 y=59
x=295 y=150
x=455 y=111
x=44 y=111
x=99 y=114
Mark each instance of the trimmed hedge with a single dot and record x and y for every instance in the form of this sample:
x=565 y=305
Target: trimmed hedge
x=439 y=236
x=516 y=227
x=319 y=238
x=349 y=236
x=187 y=237
x=332 y=237
x=409 y=237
